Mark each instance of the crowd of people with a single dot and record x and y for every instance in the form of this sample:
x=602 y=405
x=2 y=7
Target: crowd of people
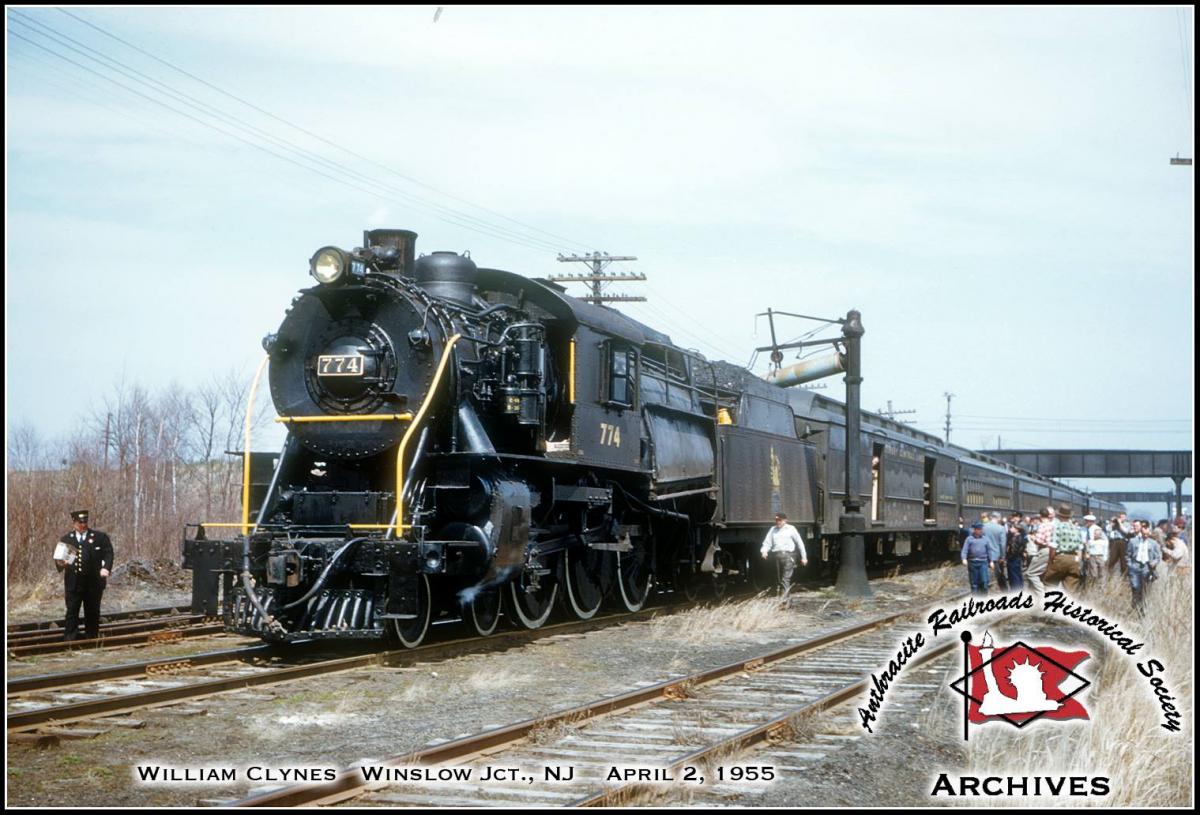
x=1053 y=548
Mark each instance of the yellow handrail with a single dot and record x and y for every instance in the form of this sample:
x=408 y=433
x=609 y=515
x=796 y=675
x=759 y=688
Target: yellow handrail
x=354 y=417
x=415 y=421
x=571 y=372
x=437 y=378
x=262 y=366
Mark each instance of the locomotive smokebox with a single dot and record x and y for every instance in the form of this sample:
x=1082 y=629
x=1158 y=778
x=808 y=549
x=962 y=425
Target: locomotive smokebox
x=448 y=275
x=401 y=240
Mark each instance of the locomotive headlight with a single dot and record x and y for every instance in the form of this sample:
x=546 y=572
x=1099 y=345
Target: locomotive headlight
x=328 y=265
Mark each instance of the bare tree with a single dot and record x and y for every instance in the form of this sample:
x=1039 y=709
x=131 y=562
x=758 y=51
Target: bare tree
x=144 y=464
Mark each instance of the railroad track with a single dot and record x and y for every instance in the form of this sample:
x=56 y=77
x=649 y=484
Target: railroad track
x=670 y=726
x=42 y=635
x=114 y=635
x=136 y=614
x=137 y=627
x=189 y=662
x=133 y=670
x=48 y=702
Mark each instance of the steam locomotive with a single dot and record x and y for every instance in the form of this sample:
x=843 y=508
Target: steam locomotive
x=470 y=442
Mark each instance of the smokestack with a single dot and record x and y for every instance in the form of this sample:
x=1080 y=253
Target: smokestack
x=402 y=240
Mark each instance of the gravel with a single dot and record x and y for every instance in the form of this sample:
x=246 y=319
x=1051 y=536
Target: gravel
x=340 y=719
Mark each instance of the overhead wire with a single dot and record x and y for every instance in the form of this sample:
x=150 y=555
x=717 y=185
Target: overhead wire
x=559 y=238
x=287 y=150
x=301 y=157
x=297 y=155
x=1027 y=429
x=1187 y=70
x=721 y=348
x=1060 y=419
x=193 y=118
x=72 y=89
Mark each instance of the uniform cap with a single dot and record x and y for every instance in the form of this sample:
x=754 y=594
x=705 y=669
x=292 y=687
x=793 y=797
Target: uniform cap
x=977 y=525
x=1089 y=517
x=80 y=515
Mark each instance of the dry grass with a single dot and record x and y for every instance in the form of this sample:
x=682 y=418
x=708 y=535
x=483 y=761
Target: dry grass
x=1146 y=765
x=941 y=583
x=34 y=595
x=728 y=622
x=416 y=691
x=487 y=679
x=553 y=730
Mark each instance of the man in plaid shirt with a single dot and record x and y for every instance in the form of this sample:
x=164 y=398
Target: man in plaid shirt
x=1065 y=544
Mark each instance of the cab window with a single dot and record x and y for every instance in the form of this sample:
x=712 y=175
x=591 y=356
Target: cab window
x=620 y=374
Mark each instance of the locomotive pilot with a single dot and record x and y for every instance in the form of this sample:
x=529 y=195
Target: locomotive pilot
x=85 y=557
x=783 y=543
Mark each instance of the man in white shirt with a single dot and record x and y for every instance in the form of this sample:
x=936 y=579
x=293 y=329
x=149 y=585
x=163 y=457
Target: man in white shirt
x=1095 y=553
x=783 y=542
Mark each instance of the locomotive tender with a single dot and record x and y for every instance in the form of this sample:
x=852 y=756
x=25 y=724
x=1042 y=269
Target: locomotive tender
x=462 y=440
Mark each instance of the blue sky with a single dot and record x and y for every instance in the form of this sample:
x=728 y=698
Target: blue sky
x=989 y=186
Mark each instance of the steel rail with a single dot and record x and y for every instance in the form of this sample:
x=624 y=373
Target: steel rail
x=125 y=670
x=30 y=637
x=618 y=795
x=59 y=714
x=350 y=782
x=105 y=618
x=163 y=635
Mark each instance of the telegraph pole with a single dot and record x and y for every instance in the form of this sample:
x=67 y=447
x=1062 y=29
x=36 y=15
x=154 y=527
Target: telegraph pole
x=892 y=413
x=597 y=262
x=948 y=396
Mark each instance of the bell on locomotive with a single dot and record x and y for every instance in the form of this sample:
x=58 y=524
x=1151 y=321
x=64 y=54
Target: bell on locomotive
x=366 y=372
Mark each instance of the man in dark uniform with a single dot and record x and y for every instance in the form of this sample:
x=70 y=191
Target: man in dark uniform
x=84 y=575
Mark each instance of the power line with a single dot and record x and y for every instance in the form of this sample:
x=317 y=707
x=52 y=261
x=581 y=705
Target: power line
x=443 y=213
x=223 y=131
x=1055 y=430
x=1187 y=70
x=668 y=301
x=290 y=150
x=287 y=147
x=1062 y=419
x=313 y=135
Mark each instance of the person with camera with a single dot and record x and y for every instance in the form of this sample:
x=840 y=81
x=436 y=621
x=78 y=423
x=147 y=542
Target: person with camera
x=1118 y=533
x=1175 y=554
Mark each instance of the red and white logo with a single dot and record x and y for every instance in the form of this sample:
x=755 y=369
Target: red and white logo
x=1019 y=683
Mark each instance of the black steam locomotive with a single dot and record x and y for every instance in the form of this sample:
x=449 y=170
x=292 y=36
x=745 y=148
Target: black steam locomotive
x=469 y=441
